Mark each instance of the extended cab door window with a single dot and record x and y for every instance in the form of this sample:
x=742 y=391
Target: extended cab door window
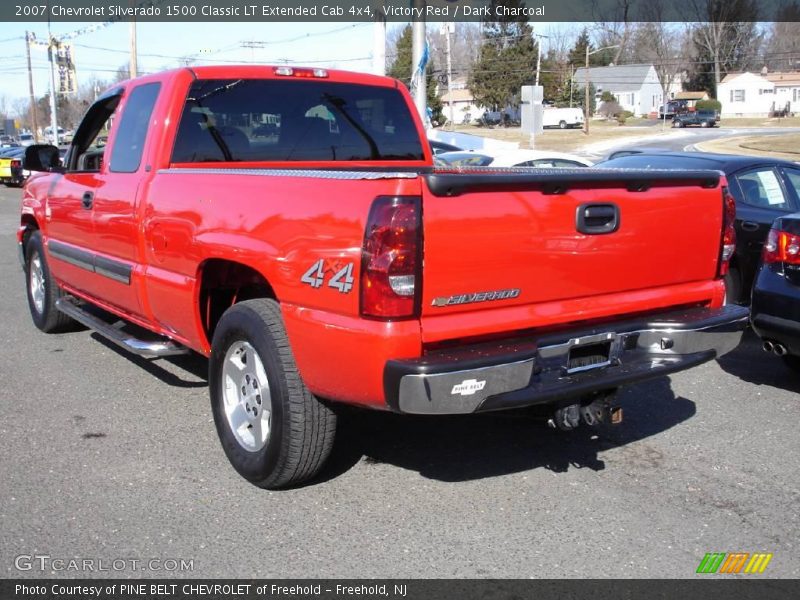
x=126 y=155
x=88 y=145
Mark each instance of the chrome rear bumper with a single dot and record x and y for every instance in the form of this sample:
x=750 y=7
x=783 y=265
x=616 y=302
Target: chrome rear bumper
x=563 y=365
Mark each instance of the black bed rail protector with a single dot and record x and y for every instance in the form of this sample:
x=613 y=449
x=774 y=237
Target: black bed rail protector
x=454 y=182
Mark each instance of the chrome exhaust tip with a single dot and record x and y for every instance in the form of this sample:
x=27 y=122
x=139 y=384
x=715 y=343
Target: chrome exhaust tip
x=768 y=346
x=780 y=349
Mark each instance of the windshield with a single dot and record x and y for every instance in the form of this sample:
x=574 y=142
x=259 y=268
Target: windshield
x=294 y=120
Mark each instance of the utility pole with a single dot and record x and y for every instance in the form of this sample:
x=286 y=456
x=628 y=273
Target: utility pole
x=52 y=51
x=447 y=29
x=539 y=55
x=134 y=67
x=379 y=43
x=586 y=83
x=571 y=80
x=34 y=120
x=417 y=68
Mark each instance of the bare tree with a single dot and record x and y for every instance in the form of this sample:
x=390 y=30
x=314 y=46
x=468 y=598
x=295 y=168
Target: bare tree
x=782 y=43
x=617 y=31
x=722 y=34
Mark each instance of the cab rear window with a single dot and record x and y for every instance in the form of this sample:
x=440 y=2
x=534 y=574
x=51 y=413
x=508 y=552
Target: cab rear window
x=232 y=120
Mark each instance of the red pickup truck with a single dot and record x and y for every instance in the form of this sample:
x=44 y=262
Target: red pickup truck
x=289 y=224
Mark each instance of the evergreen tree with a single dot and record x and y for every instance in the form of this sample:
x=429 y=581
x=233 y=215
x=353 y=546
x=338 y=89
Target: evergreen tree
x=506 y=61
x=401 y=69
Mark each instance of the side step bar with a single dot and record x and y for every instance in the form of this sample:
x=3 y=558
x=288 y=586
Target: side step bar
x=113 y=332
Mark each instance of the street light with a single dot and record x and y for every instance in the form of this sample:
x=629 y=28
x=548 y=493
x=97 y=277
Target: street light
x=539 y=55
x=586 y=73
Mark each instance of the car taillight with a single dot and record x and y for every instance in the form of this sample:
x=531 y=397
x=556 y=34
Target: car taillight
x=728 y=244
x=16 y=164
x=781 y=247
x=391 y=259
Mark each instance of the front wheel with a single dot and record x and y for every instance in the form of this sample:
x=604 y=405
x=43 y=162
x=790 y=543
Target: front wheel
x=273 y=430
x=42 y=289
x=562 y=124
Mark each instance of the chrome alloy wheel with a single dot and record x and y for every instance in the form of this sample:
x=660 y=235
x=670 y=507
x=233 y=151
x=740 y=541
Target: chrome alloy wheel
x=245 y=392
x=36 y=283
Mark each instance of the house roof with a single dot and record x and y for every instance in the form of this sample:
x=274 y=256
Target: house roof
x=782 y=79
x=691 y=95
x=617 y=78
x=463 y=95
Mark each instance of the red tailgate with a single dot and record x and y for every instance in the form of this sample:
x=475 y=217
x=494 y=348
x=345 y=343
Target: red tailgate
x=510 y=239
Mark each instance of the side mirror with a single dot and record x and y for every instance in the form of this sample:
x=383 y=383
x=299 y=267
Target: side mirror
x=42 y=157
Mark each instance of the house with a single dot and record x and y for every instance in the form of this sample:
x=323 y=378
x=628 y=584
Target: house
x=746 y=95
x=636 y=87
x=787 y=90
x=691 y=98
x=463 y=103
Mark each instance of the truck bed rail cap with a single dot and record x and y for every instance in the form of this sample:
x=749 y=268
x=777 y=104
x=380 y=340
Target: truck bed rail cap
x=454 y=181
x=311 y=173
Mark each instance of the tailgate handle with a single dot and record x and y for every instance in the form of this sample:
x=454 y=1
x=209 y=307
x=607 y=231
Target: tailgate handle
x=594 y=219
x=87 y=200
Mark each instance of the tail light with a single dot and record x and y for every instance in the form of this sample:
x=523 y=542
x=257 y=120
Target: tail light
x=391 y=259
x=781 y=247
x=302 y=72
x=16 y=164
x=728 y=243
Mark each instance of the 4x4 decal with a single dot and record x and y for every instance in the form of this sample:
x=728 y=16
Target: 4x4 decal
x=341 y=280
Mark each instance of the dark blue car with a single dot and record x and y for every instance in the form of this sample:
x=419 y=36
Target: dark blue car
x=764 y=189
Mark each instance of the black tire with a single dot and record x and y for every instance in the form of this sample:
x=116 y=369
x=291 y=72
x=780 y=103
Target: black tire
x=562 y=124
x=301 y=428
x=733 y=287
x=792 y=361
x=44 y=313
x=704 y=124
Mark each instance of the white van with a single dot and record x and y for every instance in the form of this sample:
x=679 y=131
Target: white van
x=562 y=117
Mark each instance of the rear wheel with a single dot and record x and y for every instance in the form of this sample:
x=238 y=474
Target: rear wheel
x=562 y=124
x=42 y=289
x=704 y=124
x=273 y=430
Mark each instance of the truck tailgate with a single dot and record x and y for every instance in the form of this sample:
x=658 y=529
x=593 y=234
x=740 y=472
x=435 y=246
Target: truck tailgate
x=510 y=238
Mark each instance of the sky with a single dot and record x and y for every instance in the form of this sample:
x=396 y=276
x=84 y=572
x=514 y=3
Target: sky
x=161 y=46
x=98 y=54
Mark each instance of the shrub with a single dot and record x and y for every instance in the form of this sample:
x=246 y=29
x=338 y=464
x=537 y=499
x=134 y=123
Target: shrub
x=610 y=109
x=708 y=105
x=607 y=97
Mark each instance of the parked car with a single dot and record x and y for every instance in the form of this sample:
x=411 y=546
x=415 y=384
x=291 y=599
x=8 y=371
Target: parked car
x=6 y=141
x=309 y=287
x=673 y=107
x=563 y=118
x=26 y=139
x=11 y=171
x=702 y=118
x=764 y=188
x=775 y=312
x=438 y=147
x=511 y=158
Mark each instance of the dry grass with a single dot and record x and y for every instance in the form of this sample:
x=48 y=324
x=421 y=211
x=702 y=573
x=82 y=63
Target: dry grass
x=735 y=122
x=778 y=146
x=562 y=140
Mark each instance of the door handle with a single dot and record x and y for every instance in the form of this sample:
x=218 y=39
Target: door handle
x=594 y=219
x=87 y=200
x=749 y=226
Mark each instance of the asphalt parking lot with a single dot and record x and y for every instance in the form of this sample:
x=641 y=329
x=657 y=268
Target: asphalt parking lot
x=108 y=456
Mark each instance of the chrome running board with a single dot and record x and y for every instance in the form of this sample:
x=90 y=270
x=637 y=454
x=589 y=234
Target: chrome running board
x=155 y=348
